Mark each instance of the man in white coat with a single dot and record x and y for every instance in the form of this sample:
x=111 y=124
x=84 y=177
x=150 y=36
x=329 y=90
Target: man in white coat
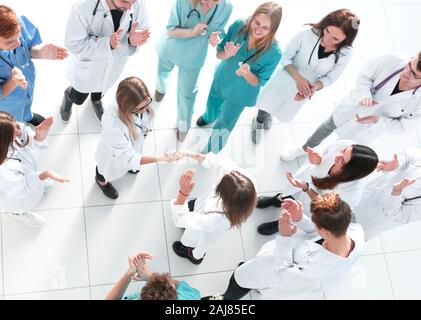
x=290 y=265
x=394 y=198
x=101 y=35
x=387 y=99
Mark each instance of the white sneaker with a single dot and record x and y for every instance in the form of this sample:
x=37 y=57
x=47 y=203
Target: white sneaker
x=291 y=154
x=30 y=219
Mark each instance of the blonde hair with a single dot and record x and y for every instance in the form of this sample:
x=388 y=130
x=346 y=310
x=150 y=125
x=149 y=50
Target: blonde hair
x=130 y=93
x=274 y=12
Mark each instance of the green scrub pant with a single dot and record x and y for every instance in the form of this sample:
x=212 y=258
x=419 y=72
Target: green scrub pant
x=225 y=114
x=186 y=91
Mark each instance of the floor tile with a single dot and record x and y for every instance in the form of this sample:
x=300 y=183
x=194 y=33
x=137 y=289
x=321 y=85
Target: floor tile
x=51 y=258
x=70 y=294
x=404 y=273
x=406 y=237
x=124 y=230
x=66 y=163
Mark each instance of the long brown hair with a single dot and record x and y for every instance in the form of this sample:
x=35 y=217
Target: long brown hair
x=7 y=133
x=419 y=62
x=274 y=12
x=363 y=161
x=331 y=213
x=345 y=20
x=130 y=93
x=238 y=196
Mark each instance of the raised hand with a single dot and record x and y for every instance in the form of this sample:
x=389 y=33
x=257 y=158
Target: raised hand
x=284 y=225
x=115 y=39
x=53 y=52
x=243 y=70
x=186 y=182
x=18 y=78
x=138 y=37
x=231 y=49
x=294 y=207
x=398 y=187
x=214 y=38
x=296 y=182
x=368 y=102
x=313 y=156
x=41 y=131
x=388 y=166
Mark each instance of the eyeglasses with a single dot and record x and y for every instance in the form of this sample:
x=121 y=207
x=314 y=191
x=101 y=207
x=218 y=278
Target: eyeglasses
x=413 y=73
x=144 y=107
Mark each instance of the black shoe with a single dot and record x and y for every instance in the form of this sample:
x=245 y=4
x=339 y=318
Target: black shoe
x=159 y=96
x=36 y=120
x=268 y=228
x=200 y=122
x=108 y=190
x=99 y=110
x=191 y=204
x=265 y=202
x=185 y=252
x=133 y=172
x=66 y=105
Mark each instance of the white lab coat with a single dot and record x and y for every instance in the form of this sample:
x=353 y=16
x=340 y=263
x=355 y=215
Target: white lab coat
x=398 y=113
x=116 y=153
x=208 y=222
x=93 y=65
x=289 y=266
x=20 y=186
x=379 y=210
x=277 y=97
x=350 y=192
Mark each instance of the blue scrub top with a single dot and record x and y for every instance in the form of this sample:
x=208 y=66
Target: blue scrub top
x=184 y=292
x=234 y=88
x=190 y=53
x=16 y=101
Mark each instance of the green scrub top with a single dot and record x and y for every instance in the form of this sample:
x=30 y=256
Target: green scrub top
x=190 y=53
x=234 y=88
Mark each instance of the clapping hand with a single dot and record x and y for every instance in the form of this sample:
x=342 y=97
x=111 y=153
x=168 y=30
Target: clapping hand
x=138 y=37
x=53 y=52
x=18 y=78
x=186 y=182
x=294 y=207
x=231 y=49
x=115 y=39
x=284 y=225
x=296 y=182
x=243 y=70
x=313 y=156
x=388 y=166
x=398 y=187
x=41 y=131
x=368 y=102
x=214 y=38
x=138 y=269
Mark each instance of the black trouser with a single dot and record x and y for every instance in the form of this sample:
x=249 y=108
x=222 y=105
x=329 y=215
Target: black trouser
x=79 y=97
x=234 y=290
x=263 y=116
x=99 y=177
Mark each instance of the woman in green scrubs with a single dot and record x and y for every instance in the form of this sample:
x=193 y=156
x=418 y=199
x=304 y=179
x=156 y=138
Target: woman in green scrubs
x=193 y=25
x=249 y=54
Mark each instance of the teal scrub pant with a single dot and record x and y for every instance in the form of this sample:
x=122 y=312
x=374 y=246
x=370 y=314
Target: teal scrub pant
x=225 y=113
x=186 y=91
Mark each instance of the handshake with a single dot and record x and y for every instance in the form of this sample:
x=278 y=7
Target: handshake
x=172 y=156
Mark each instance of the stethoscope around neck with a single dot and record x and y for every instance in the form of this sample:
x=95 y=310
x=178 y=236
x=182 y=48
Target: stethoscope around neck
x=194 y=11
x=18 y=64
x=386 y=80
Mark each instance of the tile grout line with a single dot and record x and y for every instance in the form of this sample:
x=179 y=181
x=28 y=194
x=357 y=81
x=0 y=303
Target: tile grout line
x=388 y=25
x=83 y=204
x=387 y=268
x=162 y=210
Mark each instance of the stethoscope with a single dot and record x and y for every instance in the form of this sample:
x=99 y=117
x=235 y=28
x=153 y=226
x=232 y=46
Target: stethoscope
x=405 y=201
x=383 y=83
x=105 y=14
x=196 y=12
x=21 y=66
x=145 y=129
x=314 y=49
x=249 y=58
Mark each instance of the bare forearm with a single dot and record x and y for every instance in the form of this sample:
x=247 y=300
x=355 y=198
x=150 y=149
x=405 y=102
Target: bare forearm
x=293 y=72
x=117 y=292
x=181 y=33
x=8 y=87
x=197 y=156
x=181 y=199
x=149 y=159
x=36 y=52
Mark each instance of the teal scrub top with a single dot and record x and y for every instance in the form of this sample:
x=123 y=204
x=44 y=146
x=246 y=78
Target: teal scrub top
x=184 y=292
x=234 y=88
x=190 y=53
x=15 y=102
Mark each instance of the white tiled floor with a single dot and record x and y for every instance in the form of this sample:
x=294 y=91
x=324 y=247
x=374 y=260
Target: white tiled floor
x=83 y=250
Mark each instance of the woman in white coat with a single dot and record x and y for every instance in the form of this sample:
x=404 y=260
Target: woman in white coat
x=124 y=129
x=387 y=99
x=101 y=35
x=340 y=168
x=313 y=60
x=394 y=198
x=21 y=184
x=290 y=265
x=207 y=218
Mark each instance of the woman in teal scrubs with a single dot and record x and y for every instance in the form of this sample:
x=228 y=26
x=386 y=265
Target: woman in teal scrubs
x=193 y=25
x=249 y=54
